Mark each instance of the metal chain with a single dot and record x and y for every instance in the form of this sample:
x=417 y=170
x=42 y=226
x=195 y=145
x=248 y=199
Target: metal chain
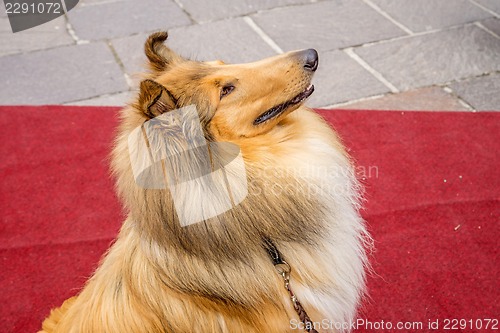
x=284 y=270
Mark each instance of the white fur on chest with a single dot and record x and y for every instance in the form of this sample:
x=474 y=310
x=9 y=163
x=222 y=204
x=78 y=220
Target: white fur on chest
x=332 y=271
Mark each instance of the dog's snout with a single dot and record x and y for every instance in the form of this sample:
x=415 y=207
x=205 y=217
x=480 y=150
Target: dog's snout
x=310 y=57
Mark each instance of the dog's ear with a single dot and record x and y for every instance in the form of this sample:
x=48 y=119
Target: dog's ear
x=155 y=99
x=160 y=56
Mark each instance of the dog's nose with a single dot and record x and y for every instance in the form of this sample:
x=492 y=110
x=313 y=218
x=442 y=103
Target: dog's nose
x=310 y=60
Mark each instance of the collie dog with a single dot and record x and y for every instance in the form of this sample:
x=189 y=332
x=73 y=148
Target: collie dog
x=174 y=268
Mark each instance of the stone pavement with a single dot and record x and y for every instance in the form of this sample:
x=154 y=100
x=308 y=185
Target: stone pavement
x=374 y=54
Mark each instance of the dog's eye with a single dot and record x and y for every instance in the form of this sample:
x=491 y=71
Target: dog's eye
x=226 y=90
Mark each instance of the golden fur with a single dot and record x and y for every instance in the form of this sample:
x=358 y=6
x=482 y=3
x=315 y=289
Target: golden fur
x=215 y=276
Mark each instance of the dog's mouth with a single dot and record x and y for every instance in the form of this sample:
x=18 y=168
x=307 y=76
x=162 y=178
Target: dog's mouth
x=275 y=111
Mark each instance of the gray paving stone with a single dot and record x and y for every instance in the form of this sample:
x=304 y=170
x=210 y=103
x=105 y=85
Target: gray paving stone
x=123 y=18
x=232 y=41
x=96 y=2
x=421 y=99
x=493 y=5
x=50 y=34
x=493 y=25
x=434 y=58
x=130 y=50
x=3 y=10
x=60 y=75
x=326 y=25
x=339 y=78
x=483 y=93
x=119 y=99
x=203 y=11
x=200 y=42
x=422 y=15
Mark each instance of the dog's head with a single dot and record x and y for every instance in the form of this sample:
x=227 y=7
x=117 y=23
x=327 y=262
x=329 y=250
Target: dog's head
x=246 y=105
x=233 y=101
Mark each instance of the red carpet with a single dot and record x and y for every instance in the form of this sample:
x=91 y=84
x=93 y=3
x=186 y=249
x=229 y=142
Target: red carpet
x=432 y=189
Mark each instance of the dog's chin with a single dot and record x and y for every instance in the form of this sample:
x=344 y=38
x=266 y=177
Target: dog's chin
x=285 y=107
